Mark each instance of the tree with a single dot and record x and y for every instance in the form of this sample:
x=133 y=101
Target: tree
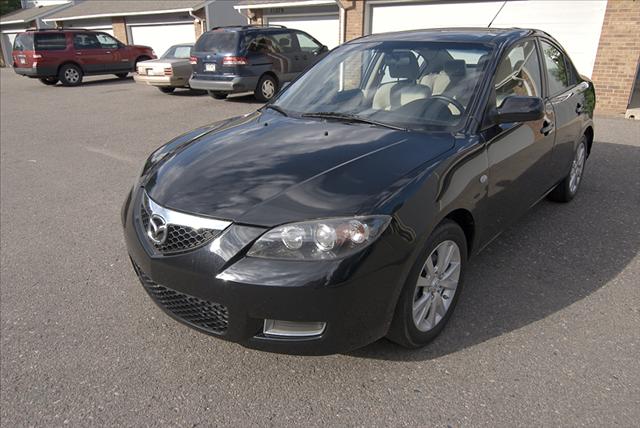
x=7 y=6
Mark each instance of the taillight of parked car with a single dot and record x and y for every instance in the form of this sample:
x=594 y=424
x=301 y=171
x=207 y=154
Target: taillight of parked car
x=193 y=60
x=168 y=71
x=235 y=60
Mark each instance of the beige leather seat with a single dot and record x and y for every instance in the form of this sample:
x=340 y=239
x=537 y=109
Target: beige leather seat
x=453 y=72
x=389 y=96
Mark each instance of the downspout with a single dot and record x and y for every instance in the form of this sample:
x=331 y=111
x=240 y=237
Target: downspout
x=208 y=25
x=198 y=20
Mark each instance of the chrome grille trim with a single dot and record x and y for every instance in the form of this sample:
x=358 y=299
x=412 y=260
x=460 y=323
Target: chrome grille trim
x=181 y=219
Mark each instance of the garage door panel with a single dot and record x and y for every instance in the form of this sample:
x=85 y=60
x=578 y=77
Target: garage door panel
x=162 y=37
x=418 y=16
x=326 y=29
x=578 y=30
x=576 y=24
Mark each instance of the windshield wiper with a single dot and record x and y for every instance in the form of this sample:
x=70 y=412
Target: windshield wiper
x=277 y=108
x=346 y=117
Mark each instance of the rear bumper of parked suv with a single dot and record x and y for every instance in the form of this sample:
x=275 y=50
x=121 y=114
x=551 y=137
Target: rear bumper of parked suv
x=225 y=83
x=36 y=71
x=238 y=299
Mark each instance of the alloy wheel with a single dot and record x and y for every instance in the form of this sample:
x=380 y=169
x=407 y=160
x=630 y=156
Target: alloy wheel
x=71 y=75
x=436 y=285
x=577 y=166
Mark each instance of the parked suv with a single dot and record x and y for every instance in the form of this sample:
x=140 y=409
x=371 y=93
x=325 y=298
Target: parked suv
x=251 y=58
x=68 y=55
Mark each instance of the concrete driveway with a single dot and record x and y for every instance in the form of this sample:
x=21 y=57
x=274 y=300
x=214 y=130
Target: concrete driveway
x=547 y=331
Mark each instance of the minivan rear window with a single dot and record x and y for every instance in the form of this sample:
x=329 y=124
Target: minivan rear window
x=51 y=42
x=23 y=42
x=218 y=42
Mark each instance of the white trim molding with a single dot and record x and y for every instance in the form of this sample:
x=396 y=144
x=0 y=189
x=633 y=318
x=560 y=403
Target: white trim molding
x=284 y=4
x=110 y=15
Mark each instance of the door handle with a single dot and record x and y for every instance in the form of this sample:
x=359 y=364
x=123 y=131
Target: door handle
x=296 y=57
x=108 y=52
x=547 y=127
x=78 y=53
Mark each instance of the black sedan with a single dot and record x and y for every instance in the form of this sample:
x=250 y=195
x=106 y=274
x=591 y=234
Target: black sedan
x=346 y=209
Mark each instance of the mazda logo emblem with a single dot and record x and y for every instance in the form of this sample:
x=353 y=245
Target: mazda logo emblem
x=157 y=229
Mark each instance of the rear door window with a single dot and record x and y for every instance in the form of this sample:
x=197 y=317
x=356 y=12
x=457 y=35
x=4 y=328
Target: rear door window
x=86 y=41
x=556 y=66
x=51 y=42
x=218 y=42
x=285 y=42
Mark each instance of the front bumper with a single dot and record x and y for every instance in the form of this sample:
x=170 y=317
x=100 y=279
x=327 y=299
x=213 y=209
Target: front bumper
x=231 y=85
x=355 y=297
x=173 y=81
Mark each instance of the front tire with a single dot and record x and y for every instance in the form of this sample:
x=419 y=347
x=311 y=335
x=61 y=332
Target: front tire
x=217 y=95
x=267 y=88
x=568 y=188
x=166 y=89
x=432 y=289
x=70 y=75
x=49 y=81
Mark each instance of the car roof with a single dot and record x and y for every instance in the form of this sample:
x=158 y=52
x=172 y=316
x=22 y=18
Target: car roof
x=251 y=28
x=471 y=34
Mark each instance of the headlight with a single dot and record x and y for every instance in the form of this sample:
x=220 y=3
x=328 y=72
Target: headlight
x=320 y=239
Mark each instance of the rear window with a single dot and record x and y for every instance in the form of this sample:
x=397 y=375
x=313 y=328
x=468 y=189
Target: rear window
x=51 y=42
x=178 y=52
x=218 y=42
x=23 y=42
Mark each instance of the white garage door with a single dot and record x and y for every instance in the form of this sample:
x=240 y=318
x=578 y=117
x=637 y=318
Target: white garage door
x=162 y=37
x=325 y=28
x=576 y=24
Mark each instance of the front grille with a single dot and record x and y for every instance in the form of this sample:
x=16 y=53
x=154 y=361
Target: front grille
x=209 y=316
x=179 y=238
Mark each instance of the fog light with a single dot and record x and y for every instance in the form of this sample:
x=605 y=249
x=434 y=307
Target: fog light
x=293 y=328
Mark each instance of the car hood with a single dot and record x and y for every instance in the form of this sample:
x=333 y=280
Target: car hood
x=267 y=169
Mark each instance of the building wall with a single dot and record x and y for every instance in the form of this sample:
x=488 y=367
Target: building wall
x=119 y=24
x=618 y=56
x=354 y=18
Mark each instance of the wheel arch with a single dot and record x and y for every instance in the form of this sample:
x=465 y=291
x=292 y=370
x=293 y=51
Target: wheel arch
x=272 y=74
x=588 y=132
x=67 y=63
x=465 y=220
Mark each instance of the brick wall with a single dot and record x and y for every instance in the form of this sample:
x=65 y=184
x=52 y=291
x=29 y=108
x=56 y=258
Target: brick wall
x=354 y=17
x=119 y=25
x=618 y=54
x=255 y=17
x=201 y=26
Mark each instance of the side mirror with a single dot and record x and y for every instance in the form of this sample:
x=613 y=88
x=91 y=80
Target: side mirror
x=322 y=49
x=519 y=109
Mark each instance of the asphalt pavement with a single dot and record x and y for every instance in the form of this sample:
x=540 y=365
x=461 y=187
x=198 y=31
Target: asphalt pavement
x=547 y=331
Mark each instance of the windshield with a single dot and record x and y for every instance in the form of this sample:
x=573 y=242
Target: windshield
x=413 y=85
x=218 y=42
x=178 y=52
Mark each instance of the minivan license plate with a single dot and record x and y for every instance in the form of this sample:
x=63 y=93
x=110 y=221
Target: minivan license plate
x=209 y=67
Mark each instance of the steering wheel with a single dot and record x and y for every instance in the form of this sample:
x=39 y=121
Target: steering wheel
x=448 y=100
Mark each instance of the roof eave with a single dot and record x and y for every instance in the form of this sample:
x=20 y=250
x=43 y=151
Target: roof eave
x=111 y=15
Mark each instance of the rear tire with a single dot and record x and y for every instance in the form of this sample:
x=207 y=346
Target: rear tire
x=122 y=75
x=432 y=289
x=166 y=89
x=217 y=95
x=267 y=88
x=49 y=81
x=70 y=75
x=568 y=188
